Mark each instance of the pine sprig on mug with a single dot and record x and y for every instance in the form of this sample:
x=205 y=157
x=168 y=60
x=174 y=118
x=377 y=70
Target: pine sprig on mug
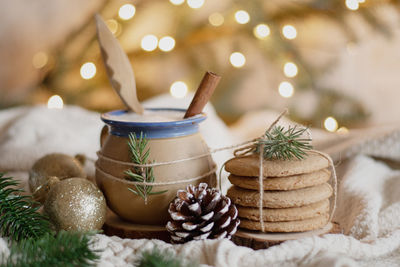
x=285 y=144
x=140 y=155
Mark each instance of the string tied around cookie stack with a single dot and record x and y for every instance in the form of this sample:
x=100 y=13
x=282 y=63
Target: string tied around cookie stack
x=257 y=147
x=240 y=152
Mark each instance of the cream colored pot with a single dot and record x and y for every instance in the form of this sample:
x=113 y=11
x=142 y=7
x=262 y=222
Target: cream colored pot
x=168 y=141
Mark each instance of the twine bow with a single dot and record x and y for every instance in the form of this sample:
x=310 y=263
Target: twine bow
x=250 y=149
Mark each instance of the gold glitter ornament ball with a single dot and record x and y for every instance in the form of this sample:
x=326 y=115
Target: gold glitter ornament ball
x=52 y=165
x=76 y=204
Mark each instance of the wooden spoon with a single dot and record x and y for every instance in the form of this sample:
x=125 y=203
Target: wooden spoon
x=118 y=67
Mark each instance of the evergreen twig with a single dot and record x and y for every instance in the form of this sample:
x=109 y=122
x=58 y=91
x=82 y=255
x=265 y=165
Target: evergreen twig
x=157 y=258
x=64 y=249
x=139 y=155
x=19 y=218
x=281 y=143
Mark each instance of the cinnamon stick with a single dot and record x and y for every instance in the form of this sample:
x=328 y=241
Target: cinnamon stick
x=203 y=94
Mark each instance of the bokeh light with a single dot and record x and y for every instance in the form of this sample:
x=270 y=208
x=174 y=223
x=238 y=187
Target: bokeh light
x=177 y=2
x=195 y=3
x=289 y=32
x=261 y=31
x=216 y=19
x=149 y=42
x=286 y=89
x=113 y=25
x=88 y=70
x=166 y=43
x=40 y=60
x=127 y=11
x=290 y=69
x=242 y=17
x=55 y=102
x=352 y=4
x=237 y=59
x=178 y=89
x=342 y=130
x=331 y=124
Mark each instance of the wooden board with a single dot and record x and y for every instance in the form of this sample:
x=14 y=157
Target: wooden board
x=259 y=240
x=252 y=239
x=116 y=226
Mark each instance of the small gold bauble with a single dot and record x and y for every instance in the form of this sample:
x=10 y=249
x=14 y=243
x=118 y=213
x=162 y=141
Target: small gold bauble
x=57 y=165
x=76 y=204
x=42 y=190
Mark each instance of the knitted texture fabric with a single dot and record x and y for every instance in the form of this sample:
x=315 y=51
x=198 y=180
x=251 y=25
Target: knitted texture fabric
x=368 y=210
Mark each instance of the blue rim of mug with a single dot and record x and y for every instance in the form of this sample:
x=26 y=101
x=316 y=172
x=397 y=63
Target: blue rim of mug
x=153 y=130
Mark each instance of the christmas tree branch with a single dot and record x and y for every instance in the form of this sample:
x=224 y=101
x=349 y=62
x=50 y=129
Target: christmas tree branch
x=19 y=218
x=158 y=258
x=64 y=249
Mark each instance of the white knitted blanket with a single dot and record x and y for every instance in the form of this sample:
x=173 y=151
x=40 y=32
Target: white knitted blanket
x=368 y=199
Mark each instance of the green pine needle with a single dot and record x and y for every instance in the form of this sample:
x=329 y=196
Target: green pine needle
x=285 y=144
x=139 y=155
x=64 y=249
x=19 y=218
x=156 y=258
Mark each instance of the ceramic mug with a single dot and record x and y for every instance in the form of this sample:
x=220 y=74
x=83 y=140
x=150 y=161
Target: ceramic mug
x=167 y=141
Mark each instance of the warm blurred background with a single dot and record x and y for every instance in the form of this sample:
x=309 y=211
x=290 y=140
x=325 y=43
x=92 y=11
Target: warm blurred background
x=334 y=63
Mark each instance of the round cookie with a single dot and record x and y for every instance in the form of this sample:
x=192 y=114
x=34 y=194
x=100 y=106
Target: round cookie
x=286 y=214
x=280 y=199
x=283 y=183
x=249 y=166
x=292 y=226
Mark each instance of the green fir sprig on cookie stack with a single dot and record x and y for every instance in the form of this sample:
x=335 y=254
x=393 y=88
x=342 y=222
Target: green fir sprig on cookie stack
x=295 y=183
x=285 y=144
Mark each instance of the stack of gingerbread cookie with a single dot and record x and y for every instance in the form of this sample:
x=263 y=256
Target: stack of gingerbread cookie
x=296 y=193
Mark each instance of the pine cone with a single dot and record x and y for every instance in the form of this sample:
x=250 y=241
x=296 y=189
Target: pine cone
x=201 y=213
